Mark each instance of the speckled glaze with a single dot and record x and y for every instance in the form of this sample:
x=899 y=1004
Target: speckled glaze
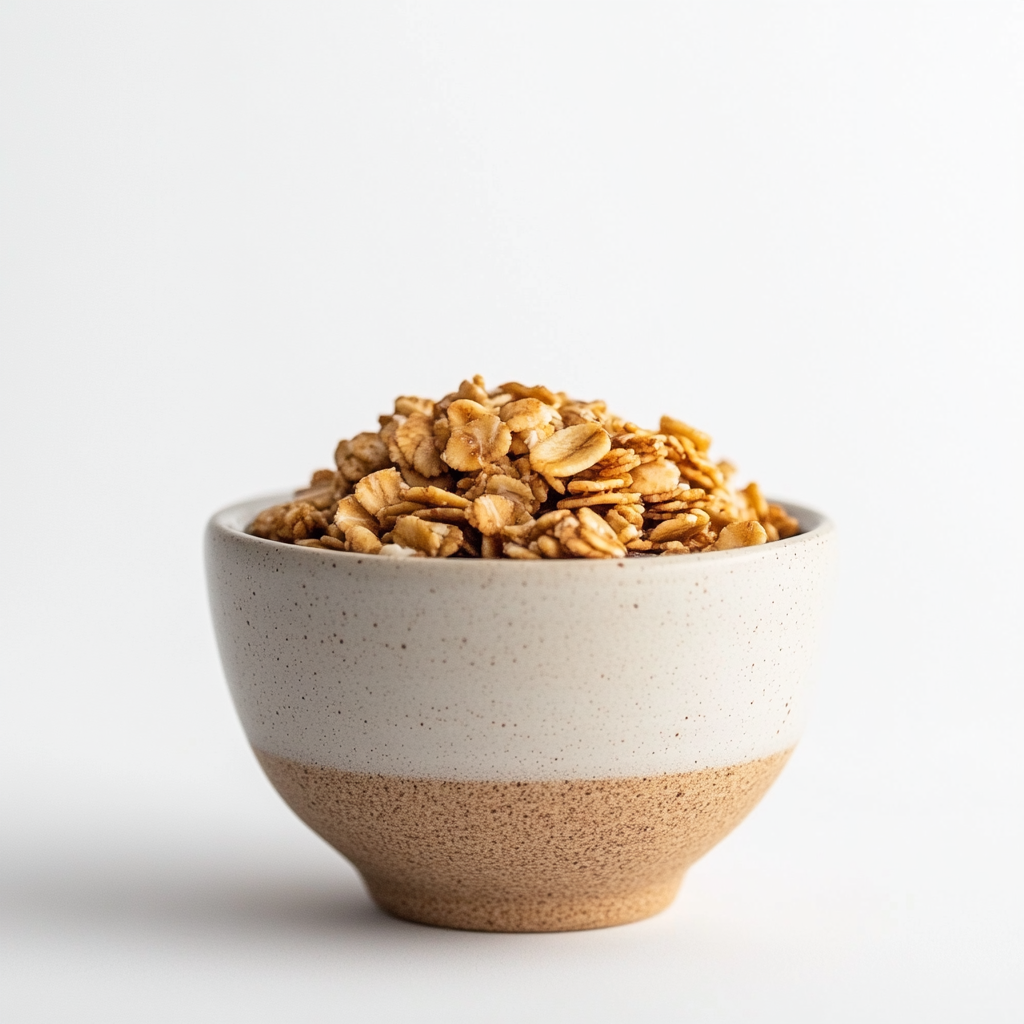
x=369 y=672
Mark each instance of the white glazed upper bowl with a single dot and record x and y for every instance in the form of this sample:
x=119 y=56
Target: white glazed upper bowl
x=400 y=705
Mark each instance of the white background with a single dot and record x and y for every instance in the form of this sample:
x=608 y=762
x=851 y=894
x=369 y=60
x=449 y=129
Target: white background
x=231 y=233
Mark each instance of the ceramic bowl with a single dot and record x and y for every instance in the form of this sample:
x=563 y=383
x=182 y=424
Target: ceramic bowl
x=519 y=746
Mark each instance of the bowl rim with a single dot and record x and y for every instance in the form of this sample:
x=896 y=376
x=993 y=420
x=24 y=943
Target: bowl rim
x=230 y=521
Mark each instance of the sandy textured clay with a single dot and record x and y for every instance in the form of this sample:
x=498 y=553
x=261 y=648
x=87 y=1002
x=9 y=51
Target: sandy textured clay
x=522 y=856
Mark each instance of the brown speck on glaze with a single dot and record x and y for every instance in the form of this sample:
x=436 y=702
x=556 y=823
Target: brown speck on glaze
x=522 y=856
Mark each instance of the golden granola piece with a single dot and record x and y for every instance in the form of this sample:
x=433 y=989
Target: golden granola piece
x=756 y=500
x=651 y=507
x=583 y=538
x=624 y=530
x=265 y=523
x=465 y=410
x=362 y=540
x=689 y=494
x=511 y=488
x=435 y=540
x=670 y=547
x=365 y=453
x=575 y=413
x=400 y=508
x=442 y=432
x=491 y=513
x=539 y=487
x=379 y=489
x=785 y=524
x=321 y=496
x=696 y=476
x=599 y=535
x=442 y=514
x=680 y=429
x=696 y=459
x=703 y=540
x=298 y=521
x=592 y=486
x=741 y=535
x=415 y=440
x=722 y=513
x=436 y=496
x=570 y=450
x=567 y=533
x=527 y=414
x=473 y=486
x=521 y=391
x=524 y=441
x=529 y=530
x=655 y=477
x=389 y=434
x=479 y=442
x=549 y=521
x=497 y=398
x=513 y=550
x=679 y=527
x=645 y=446
x=351 y=513
x=549 y=547
x=617 y=462
x=601 y=498
x=474 y=390
x=406 y=405
x=632 y=513
x=451 y=541
x=388 y=515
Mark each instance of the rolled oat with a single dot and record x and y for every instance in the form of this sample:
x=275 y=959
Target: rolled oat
x=523 y=473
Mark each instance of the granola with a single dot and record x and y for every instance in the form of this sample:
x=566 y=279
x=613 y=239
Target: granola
x=524 y=473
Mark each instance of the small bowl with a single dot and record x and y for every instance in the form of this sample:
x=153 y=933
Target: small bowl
x=519 y=746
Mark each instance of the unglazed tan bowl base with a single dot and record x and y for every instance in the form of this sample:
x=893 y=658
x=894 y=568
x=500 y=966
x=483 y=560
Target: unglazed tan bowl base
x=522 y=856
x=525 y=914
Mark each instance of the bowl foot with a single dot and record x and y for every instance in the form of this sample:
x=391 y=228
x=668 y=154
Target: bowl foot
x=548 y=914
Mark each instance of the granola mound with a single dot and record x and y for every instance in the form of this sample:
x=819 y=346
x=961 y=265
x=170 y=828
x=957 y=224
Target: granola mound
x=523 y=472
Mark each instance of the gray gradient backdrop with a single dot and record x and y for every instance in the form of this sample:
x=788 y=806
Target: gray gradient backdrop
x=231 y=232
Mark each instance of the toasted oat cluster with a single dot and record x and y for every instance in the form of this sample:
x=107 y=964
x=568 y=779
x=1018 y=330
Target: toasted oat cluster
x=523 y=472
